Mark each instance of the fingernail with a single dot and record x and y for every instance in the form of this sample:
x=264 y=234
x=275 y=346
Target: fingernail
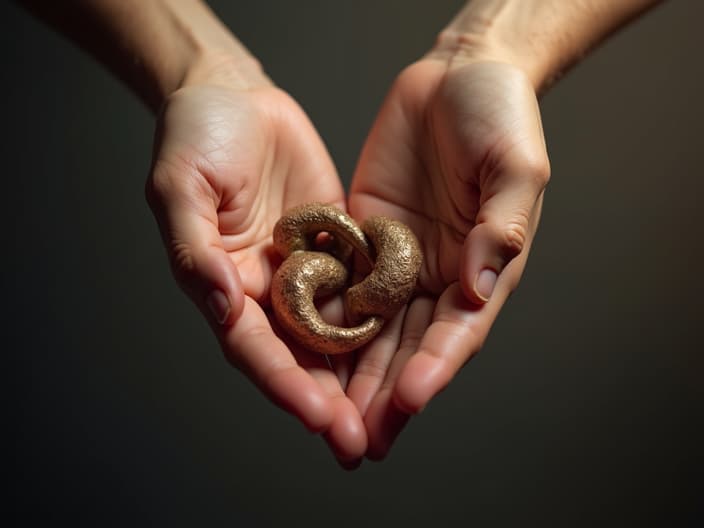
x=219 y=305
x=484 y=285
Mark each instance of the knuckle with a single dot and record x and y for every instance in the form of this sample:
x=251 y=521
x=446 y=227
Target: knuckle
x=528 y=164
x=372 y=367
x=509 y=241
x=513 y=238
x=411 y=339
x=183 y=263
x=536 y=168
x=508 y=236
x=539 y=171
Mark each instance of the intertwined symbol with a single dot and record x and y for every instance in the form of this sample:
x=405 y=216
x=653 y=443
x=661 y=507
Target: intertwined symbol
x=308 y=271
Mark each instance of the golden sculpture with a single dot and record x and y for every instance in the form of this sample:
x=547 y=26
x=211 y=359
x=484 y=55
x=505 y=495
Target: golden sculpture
x=389 y=247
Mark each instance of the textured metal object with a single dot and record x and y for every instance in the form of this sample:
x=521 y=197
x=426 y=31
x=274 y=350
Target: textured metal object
x=306 y=273
x=299 y=227
x=397 y=261
x=301 y=276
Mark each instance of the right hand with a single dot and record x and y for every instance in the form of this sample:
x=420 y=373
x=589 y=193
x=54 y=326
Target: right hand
x=229 y=159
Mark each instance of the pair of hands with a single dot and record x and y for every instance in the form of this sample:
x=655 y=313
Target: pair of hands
x=456 y=152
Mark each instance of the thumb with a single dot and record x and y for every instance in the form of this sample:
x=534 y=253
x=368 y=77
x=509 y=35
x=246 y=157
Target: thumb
x=185 y=209
x=505 y=224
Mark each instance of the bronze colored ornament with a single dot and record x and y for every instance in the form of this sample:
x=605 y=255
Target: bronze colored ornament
x=389 y=247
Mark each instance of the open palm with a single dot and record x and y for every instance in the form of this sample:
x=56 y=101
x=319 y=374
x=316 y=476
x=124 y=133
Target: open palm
x=457 y=153
x=227 y=164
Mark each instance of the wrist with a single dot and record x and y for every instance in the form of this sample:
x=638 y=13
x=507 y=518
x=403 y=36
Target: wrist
x=542 y=38
x=206 y=52
x=154 y=46
x=492 y=31
x=232 y=69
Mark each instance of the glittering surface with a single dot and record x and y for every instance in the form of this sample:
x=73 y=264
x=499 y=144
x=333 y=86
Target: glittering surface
x=306 y=273
x=396 y=267
x=297 y=229
x=294 y=286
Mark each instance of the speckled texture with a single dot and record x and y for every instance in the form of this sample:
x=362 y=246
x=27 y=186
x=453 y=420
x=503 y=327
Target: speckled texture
x=300 y=277
x=297 y=229
x=396 y=267
x=389 y=246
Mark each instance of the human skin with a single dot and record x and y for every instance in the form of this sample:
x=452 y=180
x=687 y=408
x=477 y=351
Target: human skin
x=232 y=152
x=460 y=129
x=456 y=152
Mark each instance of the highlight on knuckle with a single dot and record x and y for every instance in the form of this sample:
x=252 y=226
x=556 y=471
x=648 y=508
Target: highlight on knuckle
x=529 y=164
x=182 y=263
x=513 y=238
x=537 y=168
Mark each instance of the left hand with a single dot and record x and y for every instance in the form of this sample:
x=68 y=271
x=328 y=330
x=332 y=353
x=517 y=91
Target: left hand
x=457 y=153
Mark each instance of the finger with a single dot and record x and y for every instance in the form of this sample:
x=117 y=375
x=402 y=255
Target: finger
x=504 y=225
x=453 y=336
x=345 y=435
x=417 y=321
x=373 y=363
x=186 y=211
x=251 y=345
x=384 y=419
x=458 y=331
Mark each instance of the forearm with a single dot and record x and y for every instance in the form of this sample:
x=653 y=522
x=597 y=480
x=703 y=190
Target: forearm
x=153 y=45
x=543 y=37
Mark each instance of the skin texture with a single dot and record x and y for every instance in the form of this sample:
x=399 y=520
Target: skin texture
x=456 y=153
x=217 y=188
x=394 y=254
x=467 y=139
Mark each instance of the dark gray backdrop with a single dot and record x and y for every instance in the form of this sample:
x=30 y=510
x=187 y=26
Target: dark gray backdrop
x=584 y=409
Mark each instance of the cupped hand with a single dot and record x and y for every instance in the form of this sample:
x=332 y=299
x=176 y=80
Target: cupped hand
x=228 y=161
x=457 y=153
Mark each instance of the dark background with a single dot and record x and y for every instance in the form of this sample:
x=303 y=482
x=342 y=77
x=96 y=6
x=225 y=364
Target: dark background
x=585 y=408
